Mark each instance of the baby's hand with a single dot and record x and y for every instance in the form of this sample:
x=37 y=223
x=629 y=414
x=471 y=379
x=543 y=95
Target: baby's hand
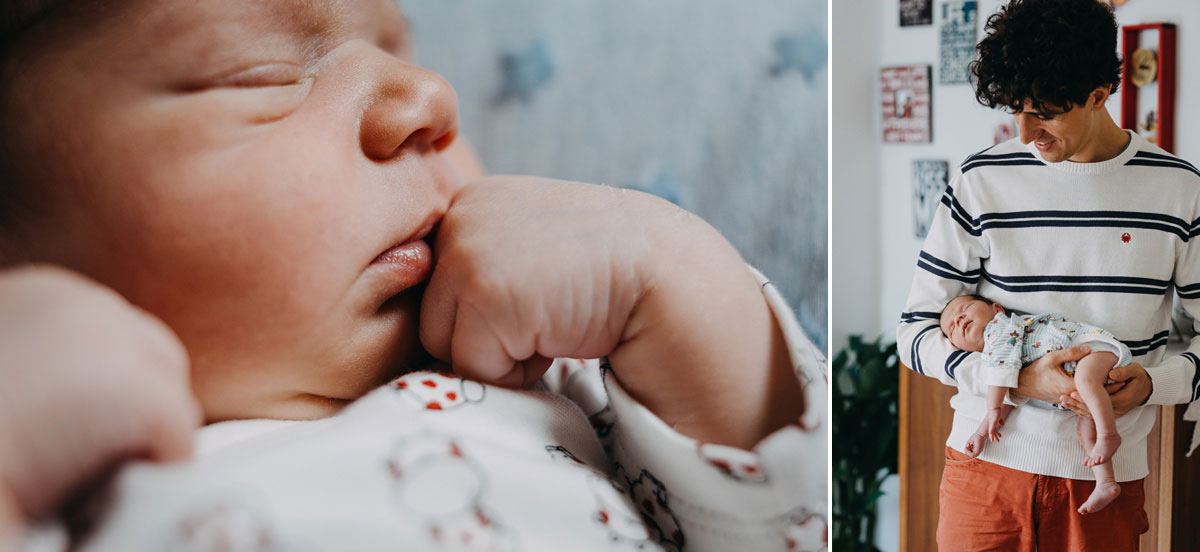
x=89 y=380
x=530 y=269
x=995 y=421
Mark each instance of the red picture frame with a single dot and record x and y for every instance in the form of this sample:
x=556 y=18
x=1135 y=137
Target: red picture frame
x=1130 y=40
x=907 y=101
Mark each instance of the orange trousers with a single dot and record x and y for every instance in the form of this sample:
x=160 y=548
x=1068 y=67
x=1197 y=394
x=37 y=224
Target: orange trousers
x=983 y=506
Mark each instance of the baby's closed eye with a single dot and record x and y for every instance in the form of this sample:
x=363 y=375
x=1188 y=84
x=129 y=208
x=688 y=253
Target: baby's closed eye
x=256 y=94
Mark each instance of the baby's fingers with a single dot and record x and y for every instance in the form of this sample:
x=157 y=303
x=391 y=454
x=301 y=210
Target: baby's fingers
x=477 y=352
x=438 y=308
x=170 y=433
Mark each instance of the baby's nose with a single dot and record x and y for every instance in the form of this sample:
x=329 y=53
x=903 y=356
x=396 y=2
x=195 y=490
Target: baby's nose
x=409 y=108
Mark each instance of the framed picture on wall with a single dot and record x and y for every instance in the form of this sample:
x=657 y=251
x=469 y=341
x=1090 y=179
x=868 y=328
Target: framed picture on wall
x=957 y=40
x=907 y=103
x=928 y=185
x=916 y=12
x=1148 y=82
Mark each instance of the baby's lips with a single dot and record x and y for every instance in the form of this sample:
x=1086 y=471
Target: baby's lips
x=406 y=264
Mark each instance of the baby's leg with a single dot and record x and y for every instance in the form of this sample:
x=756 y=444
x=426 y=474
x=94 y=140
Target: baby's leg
x=1106 y=491
x=1090 y=375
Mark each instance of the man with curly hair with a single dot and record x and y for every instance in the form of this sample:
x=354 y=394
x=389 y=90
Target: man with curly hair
x=1077 y=216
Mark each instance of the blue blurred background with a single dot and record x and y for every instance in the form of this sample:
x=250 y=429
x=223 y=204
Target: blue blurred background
x=719 y=106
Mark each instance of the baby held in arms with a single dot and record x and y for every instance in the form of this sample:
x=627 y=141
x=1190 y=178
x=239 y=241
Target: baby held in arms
x=1010 y=341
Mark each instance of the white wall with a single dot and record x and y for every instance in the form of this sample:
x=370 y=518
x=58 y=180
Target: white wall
x=874 y=252
x=854 y=288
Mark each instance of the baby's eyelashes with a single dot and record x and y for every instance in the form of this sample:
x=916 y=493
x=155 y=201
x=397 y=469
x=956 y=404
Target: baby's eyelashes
x=266 y=74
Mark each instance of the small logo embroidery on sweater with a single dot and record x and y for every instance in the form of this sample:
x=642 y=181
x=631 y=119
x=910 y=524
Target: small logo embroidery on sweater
x=1126 y=237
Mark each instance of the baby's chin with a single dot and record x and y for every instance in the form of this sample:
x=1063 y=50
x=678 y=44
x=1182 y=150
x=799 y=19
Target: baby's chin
x=287 y=393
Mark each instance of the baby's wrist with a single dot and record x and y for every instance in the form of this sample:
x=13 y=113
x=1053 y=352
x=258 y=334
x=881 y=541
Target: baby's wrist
x=704 y=338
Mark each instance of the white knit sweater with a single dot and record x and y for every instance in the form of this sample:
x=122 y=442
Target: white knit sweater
x=1103 y=243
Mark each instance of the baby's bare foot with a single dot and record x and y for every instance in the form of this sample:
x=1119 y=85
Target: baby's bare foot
x=1104 y=449
x=1103 y=495
x=975 y=444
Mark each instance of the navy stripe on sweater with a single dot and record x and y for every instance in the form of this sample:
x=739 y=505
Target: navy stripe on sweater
x=1195 y=374
x=944 y=269
x=1190 y=291
x=917 y=316
x=1143 y=155
x=978 y=153
x=958 y=212
x=1145 y=346
x=916 y=349
x=1136 y=162
x=1067 y=219
x=1001 y=163
x=1047 y=282
x=983 y=159
x=1106 y=284
x=952 y=362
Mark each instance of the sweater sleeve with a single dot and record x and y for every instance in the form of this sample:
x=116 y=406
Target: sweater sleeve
x=698 y=496
x=1176 y=380
x=949 y=265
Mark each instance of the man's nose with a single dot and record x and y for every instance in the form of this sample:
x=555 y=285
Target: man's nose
x=408 y=108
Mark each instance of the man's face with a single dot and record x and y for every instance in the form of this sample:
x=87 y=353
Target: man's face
x=238 y=169
x=1060 y=134
x=964 y=319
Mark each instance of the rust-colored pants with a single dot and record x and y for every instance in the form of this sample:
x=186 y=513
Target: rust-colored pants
x=984 y=506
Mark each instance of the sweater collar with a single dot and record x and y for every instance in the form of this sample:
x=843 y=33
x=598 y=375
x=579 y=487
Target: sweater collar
x=1136 y=143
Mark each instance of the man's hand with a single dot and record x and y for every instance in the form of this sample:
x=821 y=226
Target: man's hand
x=1045 y=379
x=1130 y=389
x=89 y=381
x=527 y=269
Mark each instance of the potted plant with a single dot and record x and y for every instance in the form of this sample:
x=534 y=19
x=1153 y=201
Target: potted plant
x=866 y=390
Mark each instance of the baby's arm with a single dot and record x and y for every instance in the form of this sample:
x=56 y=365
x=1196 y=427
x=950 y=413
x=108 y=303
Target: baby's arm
x=1001 y=362
x=531 y=269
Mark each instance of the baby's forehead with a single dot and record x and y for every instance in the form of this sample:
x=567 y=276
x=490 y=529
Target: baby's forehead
x=203 y=29
x=957 y=301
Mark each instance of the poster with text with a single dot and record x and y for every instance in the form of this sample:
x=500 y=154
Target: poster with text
x=916 y=12
x=929 y=183
x=906 y=103
x=958 y=40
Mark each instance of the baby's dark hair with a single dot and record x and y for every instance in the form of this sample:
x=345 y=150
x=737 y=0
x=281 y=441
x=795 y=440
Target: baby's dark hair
x=19 y=22
x=1051 y=52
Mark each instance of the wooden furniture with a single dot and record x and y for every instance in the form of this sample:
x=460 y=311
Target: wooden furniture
x=1172 y=488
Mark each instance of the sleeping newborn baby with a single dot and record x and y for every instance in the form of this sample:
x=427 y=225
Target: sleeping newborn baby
x=270 y=198
x=1011 y=341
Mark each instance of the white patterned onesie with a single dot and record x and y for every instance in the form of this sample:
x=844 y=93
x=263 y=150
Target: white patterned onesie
x=433 y=462
x=1013 y=341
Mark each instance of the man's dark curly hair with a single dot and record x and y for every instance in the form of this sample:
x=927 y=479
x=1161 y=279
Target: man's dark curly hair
x=1052 y=52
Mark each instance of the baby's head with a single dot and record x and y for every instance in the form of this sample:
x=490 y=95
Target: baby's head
x=235 y=168
x=964 y=318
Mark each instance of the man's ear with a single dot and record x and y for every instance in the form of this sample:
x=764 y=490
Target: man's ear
x=1099 y=97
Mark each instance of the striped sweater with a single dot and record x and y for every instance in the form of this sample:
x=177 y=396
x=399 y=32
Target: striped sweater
x=1103 y=243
